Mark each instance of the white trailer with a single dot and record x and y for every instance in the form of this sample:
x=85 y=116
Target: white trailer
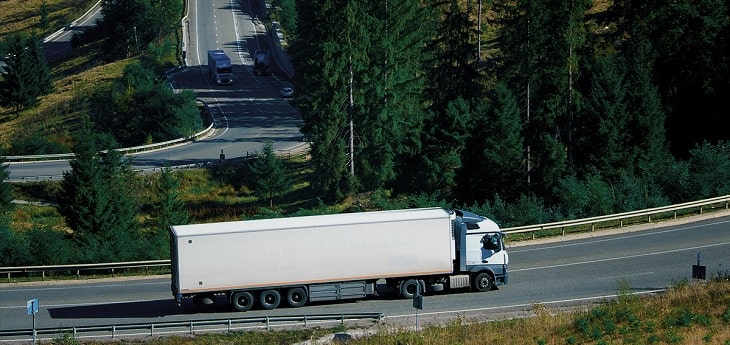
x=331 y=257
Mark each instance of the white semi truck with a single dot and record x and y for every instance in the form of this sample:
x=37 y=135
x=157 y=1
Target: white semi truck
x=219 y=67
x=321 y=258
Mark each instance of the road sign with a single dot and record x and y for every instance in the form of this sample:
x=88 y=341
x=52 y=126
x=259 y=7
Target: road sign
x=418 y=302
x=32 y=306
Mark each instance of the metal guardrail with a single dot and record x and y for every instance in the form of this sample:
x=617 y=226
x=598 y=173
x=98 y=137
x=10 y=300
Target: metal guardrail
x=620 y=219
x=182 y=327
x=78 y=268
x=125 y=151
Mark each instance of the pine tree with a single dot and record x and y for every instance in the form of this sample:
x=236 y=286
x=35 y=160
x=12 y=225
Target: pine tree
x=328 y=53
x=8 y=238
x=167 y=210
x=27 y=75
x=493 y=157
x=453 y=87
x=604 y=143
x=270 y=178
x=6 y=189
x=389 y=111
x=538 y=42
x=98 y=202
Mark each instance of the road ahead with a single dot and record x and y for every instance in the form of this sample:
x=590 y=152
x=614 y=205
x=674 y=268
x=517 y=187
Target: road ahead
x=248 y=113
x=566 y=272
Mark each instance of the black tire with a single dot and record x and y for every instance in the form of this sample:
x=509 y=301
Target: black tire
x=408 y=288
x=242 y=300
x=269 y=299
x=296 y=297
x=483 y=282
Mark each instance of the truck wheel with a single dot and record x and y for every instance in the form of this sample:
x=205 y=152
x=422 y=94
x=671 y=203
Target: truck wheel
x=296 y=297
x=483 y=282
x=408 y=288
x=242 y=300
x=269 y=299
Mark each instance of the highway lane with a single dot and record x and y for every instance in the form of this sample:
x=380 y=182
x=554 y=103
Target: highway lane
x=569 y=270
x=247 y=114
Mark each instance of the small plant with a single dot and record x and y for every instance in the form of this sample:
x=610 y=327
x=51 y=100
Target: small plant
x=672 y=337
x=65 y=339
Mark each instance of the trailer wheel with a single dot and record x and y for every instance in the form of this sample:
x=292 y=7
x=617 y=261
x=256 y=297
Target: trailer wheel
x=408 y=288
x=483 y=282
x=269 y=299
x=242 y=300
x=296 y=297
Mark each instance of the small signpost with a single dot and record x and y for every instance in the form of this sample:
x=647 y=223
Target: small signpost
x=418 y=302
x=32 y=308
x=698 y=271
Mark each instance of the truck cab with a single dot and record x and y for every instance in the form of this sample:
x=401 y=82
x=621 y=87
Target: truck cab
x=479 y=246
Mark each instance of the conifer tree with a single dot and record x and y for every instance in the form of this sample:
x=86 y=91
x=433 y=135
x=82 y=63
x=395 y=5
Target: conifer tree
x=8 y=250
x=98 y=202
x=27 y=75
x=389 y=113
x=493 y=157
x=538 y=42
x=453 y=87
x=167 y=210
x=270 y=178
x=328 y=53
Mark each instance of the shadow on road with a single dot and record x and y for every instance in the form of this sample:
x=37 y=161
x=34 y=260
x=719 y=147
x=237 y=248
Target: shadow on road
x=143 y=309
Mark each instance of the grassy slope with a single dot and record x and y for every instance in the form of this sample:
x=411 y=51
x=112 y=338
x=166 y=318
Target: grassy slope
x=75 y=80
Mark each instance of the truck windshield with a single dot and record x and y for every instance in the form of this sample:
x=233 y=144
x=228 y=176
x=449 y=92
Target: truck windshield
x=225 y=70
x=491 y=242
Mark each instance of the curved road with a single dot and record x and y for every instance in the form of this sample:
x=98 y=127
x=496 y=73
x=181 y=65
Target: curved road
x=248 y=113
x=562 y=272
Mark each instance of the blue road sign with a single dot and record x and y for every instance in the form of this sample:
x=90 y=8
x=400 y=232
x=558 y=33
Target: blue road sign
x=32 y=306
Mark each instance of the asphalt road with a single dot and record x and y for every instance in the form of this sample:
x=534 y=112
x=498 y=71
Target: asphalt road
x=564 y=272
x=247 y=114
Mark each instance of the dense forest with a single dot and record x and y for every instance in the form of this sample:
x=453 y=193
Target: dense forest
x=579 y=107
x=527 y=112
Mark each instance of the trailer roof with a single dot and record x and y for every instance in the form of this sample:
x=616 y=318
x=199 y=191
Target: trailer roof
x=309 y=221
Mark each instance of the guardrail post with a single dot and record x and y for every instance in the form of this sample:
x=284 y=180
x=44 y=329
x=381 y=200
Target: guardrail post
x=191 y=328
x=114 y=330
x=74 y=332
x=152 y=329
x=267 y=323
x=342 y=319
x=305 y=321
x=43 y=276
x=229 y=325
x=112 y=272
